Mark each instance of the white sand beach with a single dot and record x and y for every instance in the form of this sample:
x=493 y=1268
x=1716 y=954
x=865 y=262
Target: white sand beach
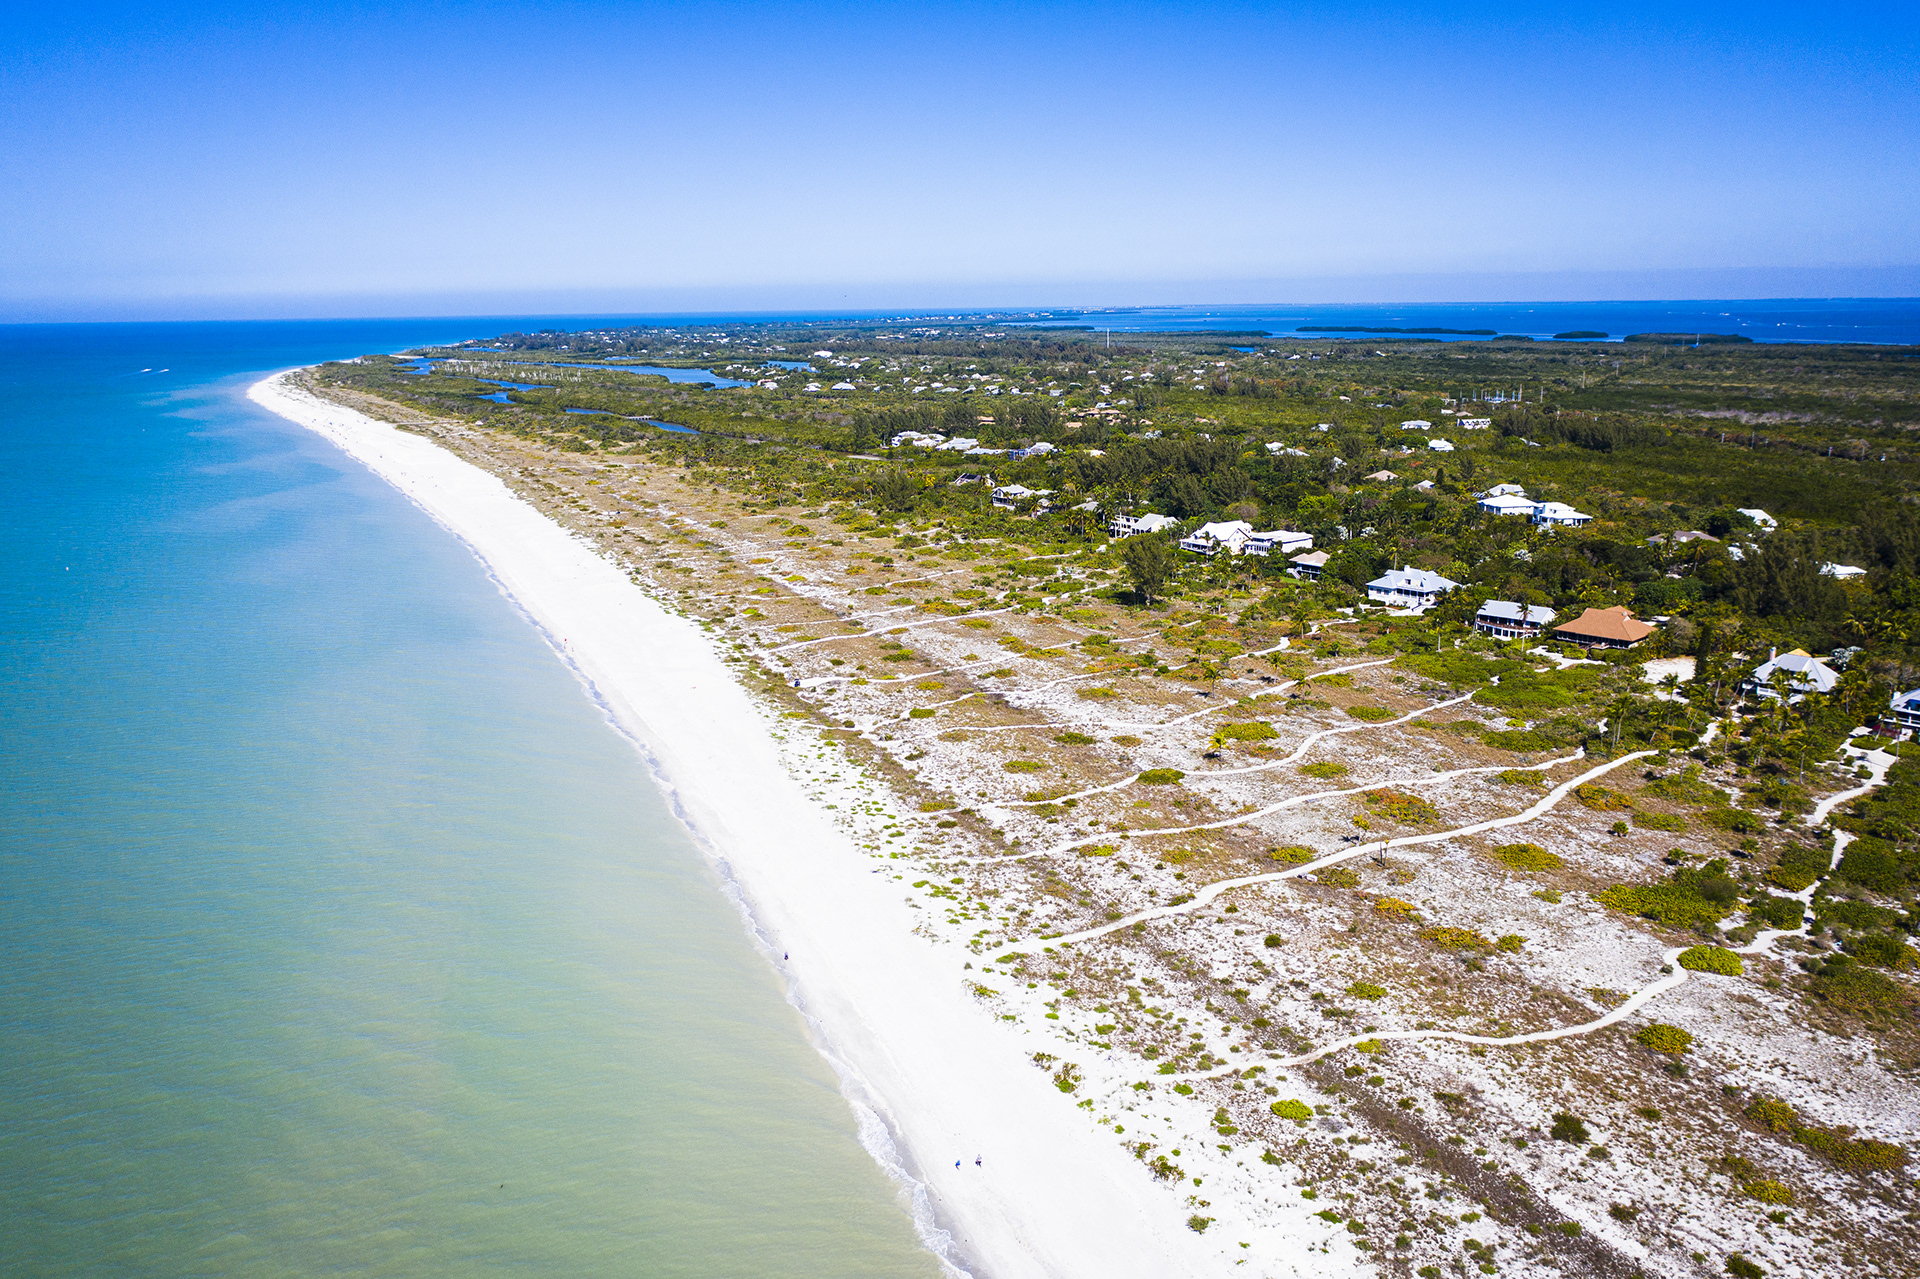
x=1053 y=1194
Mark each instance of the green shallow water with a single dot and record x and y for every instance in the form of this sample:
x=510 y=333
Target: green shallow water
x=342 y=933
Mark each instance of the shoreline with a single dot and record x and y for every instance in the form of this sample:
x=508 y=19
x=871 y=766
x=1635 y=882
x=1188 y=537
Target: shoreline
x=930 y=1075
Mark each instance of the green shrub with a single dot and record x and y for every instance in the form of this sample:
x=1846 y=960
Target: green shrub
x=1161 y=776
x=1778 y=912
x=1510 y=943
x=1528 y=857
x=1569 y=1128
x=1837 y=1146
x=1872 y=864
x=1071 y=738
x=1798 y=868
x=1768 y=1191
x=1660 y=821
x=1860 y=991
x=1096 y=694
x=1410 y=810
x=1737 y=820
x=1256 y=731
x=1370 y=714
x=1521 y=777
x=1458 y=667
x=1337 y=877
x=1297 y=854
x=1275 y=940
x=1456 y=938
x=1740 y=1268
x=1291 y=1109
x=1686 y=787
x=1366 y=990
x=1023 y=766
x=1199 y=1224
x=1881 y=950
x=921 y=712
x=1663 y=1038
x=1325 y=769
x=1602 y=798
x=1692 y=897
x=1711 y=959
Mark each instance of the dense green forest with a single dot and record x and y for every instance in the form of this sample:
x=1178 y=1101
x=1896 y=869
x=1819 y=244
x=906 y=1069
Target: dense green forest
x=1289 y=431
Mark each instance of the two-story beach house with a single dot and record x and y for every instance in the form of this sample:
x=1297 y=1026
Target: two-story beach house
x=1505 y=619
x=1415 y=588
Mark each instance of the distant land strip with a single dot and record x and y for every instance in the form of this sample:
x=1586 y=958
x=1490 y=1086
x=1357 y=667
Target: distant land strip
x=1363 y=328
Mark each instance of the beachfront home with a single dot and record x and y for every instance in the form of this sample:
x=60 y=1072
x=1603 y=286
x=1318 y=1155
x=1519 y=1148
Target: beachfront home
x=1285 y=541
x=1009 y=496
x=1222 y=535
x=1903 y=711
x=1505 y=619
x=1414 y=588
x=1604 y=628
x=1766 y=522
x=1308 y=567
x=1552 y=513
x=1416 y=424
x=1799 y=670
x=1844 y=572
x=1440 y=446
x=1128 y=525
x=1475 y=423
x=1507 y=503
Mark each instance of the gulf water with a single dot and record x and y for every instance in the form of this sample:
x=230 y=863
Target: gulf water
x=342 y=935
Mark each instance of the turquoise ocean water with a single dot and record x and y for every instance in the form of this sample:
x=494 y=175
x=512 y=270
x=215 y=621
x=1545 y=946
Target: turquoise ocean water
x=342 y=935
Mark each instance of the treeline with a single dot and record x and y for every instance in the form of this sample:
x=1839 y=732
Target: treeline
x=1597 y=432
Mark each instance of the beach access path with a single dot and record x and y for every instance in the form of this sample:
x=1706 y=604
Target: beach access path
x=1053 y=1195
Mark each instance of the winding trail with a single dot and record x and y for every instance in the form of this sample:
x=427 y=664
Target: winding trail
x=1673 y=975
x=1215 y=889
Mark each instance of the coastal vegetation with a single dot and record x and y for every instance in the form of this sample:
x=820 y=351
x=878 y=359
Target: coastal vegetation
x=1109 y=770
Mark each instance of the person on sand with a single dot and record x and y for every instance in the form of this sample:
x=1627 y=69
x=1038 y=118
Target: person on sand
x=976 y=1161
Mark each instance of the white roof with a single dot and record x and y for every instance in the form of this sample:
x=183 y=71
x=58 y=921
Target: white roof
x=1416 y=581
x=1509 y=611
x=1505 y=490
x=1803 y=671
x=1225 y=530
x=1759 y=516
x=1559 y=511
x=1508 y=504
x=1415 y=424
x=1440 y=446
x=1842 y=570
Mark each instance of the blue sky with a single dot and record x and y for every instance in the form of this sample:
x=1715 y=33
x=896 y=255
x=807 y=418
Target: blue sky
x=203 y=160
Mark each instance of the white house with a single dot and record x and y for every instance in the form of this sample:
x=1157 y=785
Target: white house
x=1508 y=504
x=1845 y=572
x=1505 y=619
x=1308 y=568
x=1476 y=423
x=1440 y=446
x=1552 y=513
x=1008 y=496
x=1285 y=541
x=843 y=386
x=1766 y=522
x=958 y=444
x=1128 y=525
x=919 y=439
x=1904 y=710
x=1222 y=535
x=1416 y=424
x=1505 y=490
x=1415 y=588
x=1803 y=673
